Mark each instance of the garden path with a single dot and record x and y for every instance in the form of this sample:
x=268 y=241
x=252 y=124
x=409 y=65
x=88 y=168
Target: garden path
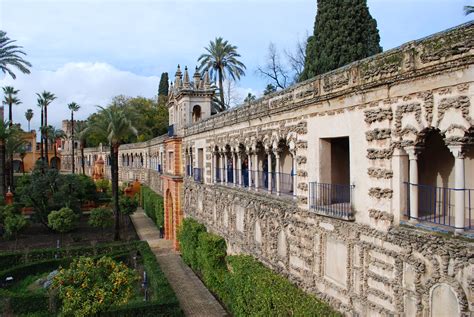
x=194 y=298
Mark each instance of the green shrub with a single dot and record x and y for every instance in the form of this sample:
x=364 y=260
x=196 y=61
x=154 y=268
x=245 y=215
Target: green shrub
x=101 y=218
x=152 y=204
x=188 y=236
x=243 y=284
x=210 y=256
x=62 y=220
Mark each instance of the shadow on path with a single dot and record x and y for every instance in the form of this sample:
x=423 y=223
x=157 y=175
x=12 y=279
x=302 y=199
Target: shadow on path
x=194 y=298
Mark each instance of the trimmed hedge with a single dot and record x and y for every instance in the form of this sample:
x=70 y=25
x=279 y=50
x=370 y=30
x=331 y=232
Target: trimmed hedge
x=163 y=301
x=10 y=259
x=152 y=204
x=243 y=284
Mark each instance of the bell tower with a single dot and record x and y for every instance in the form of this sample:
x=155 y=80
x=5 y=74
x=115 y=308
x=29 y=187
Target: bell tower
x=189 y=101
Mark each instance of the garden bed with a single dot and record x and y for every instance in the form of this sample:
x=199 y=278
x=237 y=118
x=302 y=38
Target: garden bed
x=37 y=235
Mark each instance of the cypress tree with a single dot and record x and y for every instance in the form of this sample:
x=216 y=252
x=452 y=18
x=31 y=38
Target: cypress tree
x=344 y=32
x=164 y=85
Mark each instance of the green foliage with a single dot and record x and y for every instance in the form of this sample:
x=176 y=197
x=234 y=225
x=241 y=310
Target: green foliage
x=247 y=287
x=6 y=211
x=152 y=203
x=269 y=89
x=163 y=301
x=221 y=60
x=103 y=185
x=128 y=205
x=188 y=236
x=210 y=255
x=101 y=218
x=344 y=31
x=62 y=220
x=11 y=55
x=90 y=286
x=14 y=223
x=149 y=117
x=164 y=85
x=46 y=189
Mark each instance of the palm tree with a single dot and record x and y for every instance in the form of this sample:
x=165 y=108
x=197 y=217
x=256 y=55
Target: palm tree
x=13 y=144
x=468 y=9
x=119 y=128
x=221 y=59
x=45 y=98
x=10 y=55
x=4 y=134
x=81 y=132
x=54 y=135
x=73 y=107
x=10 y=99
x=250 y=98
x=29 y=116
x=40 y=104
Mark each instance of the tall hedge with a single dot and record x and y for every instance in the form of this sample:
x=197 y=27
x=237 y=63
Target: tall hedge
x=243 y=284
x=152 y=203
x=344 y=32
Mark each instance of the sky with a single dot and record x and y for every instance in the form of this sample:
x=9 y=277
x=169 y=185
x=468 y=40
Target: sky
x=89 y=51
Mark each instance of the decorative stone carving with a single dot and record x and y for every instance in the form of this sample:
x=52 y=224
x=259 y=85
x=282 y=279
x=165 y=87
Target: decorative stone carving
x=335 y=81
x=378 y=134
x=404 y=109
x=385 y=65
x=378 y=114
x=378 y=173
x=380 y=215
x=379 y=193
x=379 y=154
x=301 y=160
x=461 y=103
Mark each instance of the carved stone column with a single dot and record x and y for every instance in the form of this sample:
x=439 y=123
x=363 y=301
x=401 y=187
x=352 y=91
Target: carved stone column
x=239 y=164
x=249 y=170
x=224 y=177
x=221 y=166
x=294 y=176
x=459 y=184
x=277 y=170
x=269 y=169
x=214 y=166
x=234 y=167
x=413 y=152
x=255 y=167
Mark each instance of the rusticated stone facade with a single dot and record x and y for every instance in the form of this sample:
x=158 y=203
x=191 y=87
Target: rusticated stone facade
x=354 y=266
x=329 y=181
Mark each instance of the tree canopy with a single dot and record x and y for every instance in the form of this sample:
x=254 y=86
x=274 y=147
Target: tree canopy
x=344 y=31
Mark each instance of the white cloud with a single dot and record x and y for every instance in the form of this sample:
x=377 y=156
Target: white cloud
x=88 y=84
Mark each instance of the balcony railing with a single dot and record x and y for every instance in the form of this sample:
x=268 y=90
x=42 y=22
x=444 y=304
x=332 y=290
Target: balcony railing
x=331 y=200
x=189 y=170
x=198 y=175
x=217 y=176
x=159 y=169
x=437 y=205
x=286 y=183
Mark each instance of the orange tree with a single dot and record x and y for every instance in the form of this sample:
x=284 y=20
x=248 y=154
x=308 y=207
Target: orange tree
x=90 y=286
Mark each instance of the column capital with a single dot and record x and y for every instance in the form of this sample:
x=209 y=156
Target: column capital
x=413 y=151
x=458 y=150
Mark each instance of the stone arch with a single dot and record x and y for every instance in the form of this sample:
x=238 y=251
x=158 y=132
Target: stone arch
x=443 y=301
x=196 y=113
x=169 y=232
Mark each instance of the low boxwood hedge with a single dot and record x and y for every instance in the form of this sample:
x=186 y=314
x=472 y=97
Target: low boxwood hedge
x=163 y=301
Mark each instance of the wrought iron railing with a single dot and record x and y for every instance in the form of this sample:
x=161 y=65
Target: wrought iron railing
x=333 y=200
x=198 y=175
x=230 y=175
x=286 y=183
x=217 y=176
x=159 y=169
x=437 y=205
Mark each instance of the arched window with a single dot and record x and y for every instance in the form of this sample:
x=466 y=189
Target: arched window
x=196 y=113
